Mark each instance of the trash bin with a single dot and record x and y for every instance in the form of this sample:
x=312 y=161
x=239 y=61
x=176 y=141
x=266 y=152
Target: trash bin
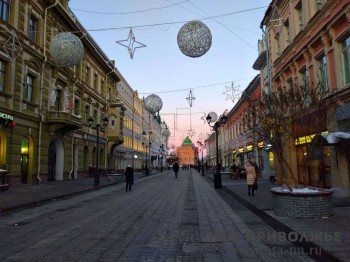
x=217 y=181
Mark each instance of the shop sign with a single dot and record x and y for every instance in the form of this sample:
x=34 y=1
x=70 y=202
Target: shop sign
x=91 y=138
x=249 y=147
x=306 y=139
x=6 y=116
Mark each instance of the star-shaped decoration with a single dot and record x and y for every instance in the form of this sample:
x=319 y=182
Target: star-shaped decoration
x=204 y=118
x=191 y=133
x=12 y=47
x=230 y=92
x=131 y=43
x=190 y=98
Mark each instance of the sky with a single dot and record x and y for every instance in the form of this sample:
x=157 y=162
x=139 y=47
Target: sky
x=161 y=68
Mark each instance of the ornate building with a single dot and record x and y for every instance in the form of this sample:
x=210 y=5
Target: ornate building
x=51 y=112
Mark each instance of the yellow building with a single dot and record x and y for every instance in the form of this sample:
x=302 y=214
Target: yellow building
x=44 y=108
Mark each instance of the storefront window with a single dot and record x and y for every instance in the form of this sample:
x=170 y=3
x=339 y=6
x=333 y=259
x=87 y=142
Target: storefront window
x=314 y=165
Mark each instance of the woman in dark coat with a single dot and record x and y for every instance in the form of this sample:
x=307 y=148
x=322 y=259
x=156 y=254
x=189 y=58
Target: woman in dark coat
x=129 y=177
x=176 y=169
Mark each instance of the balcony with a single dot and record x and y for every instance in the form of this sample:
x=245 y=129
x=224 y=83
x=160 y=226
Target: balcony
x=63 y=122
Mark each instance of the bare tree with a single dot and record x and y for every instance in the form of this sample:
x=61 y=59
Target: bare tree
x=288 y=114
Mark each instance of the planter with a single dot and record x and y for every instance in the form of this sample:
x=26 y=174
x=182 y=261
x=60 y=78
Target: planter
x=313 y=203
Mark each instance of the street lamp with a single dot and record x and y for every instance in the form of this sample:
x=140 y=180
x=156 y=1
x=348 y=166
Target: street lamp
x=147 y=146
x=219 y=123
x=98 y=127
x=161 y=151
x=202 y=146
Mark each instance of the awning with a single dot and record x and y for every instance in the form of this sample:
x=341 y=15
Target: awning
x=331 y=138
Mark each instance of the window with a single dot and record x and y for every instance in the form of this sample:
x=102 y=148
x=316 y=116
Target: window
x=30 y=88
x=322 y=64
x=4 y=9
x=58 y=99
x=2 y=75
x=86 y=114
x=33 y=24
x=300 y=16
x=305 y=88
x=286 y=32
x=95 y=82
x=86 y=74
x=101 y=86
x=76 y=107
x=346 y=59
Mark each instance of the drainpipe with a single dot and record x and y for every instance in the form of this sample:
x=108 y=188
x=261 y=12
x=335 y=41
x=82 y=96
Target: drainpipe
x=41 y=93
x=267 y=58
x=71 y=173
x=107 y=104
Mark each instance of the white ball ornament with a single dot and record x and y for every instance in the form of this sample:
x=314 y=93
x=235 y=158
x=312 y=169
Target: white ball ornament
x=66 y=49
x=153 y=103
x=194 y=39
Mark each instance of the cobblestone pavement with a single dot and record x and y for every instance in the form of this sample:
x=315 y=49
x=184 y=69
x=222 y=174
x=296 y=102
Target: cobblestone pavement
x=162 y=219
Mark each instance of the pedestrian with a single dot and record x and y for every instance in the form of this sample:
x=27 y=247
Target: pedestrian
x=234 y=170
x=251 y=176
x=129 y=177
x=176 y=168
x=257 y=174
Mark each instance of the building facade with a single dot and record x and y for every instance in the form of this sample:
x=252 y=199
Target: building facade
x=242 y=128
x=306 y=45
x=45 y=109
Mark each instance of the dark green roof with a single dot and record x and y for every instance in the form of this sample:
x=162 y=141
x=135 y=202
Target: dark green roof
x=187 y=141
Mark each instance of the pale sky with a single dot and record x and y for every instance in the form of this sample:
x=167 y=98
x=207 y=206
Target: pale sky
x=161 y=68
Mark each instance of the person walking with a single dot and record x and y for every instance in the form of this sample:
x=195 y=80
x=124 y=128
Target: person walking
x=257 y=174
x=234 y=170
x=176 y=168
x=129 y=177
x=251 y=176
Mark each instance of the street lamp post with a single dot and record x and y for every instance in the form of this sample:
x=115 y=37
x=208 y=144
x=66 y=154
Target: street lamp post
x=147 y=146
x=98 y=127
x=219 y=123
x=201 y=145
x=161 y=155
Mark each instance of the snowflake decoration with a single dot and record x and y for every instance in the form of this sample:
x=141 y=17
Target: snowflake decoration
x=131 y=44
x=230 y=92
x=12 y=47
x=191 y=133
x=204 y=118
x=190 y=98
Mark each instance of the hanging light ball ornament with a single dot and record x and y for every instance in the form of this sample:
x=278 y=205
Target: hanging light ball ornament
x=153 y=103
x=166 y=133
x=66 y=49
x=194 y=39
x=213 y=116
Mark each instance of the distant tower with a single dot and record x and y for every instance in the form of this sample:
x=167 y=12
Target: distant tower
x=187 y=153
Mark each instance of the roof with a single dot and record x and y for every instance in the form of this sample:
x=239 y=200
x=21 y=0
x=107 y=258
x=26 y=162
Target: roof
x=187 y=141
